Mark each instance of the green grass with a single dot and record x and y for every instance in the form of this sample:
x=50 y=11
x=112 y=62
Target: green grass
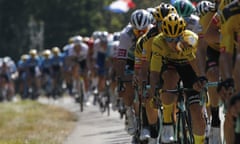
x=29 y=122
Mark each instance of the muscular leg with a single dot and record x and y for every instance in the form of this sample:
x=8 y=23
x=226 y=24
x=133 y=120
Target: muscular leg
x=213 y=75
x=170 y=78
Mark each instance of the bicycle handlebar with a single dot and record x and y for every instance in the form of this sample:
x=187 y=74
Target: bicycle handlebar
x=211 y=84
x=175 y=91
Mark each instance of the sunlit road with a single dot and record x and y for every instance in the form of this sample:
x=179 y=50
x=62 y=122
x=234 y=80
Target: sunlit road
x=93 y=127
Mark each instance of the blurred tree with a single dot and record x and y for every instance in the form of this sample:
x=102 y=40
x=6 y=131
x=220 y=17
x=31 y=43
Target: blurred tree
x=62 y=19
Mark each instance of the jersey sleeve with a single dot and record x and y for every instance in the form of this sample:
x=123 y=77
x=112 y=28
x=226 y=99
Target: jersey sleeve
x=190 y=50
x=124 y=44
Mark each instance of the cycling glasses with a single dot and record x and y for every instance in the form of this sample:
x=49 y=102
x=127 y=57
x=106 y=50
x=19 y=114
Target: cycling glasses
x=170 y=39
x=140 y=32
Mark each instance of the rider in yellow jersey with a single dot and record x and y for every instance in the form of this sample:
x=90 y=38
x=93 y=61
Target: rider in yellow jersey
x=142 y=61
x=208 y=57
x=229 y=11
x=174 y=50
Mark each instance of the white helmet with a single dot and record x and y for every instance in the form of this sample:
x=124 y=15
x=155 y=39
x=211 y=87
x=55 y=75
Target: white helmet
x=75 y=39
x=140 y=19
x=103 y=36
x=151 y=11
x=204 y=7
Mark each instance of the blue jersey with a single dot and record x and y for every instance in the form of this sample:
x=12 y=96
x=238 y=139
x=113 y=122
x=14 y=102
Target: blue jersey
x=46 y=66
x=57 y=62
x=32 y=65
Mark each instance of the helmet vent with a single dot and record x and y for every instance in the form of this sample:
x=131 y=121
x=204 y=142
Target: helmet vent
x=175 y=29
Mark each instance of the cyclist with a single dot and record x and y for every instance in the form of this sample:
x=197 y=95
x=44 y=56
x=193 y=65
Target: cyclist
x=7 y=74
x=33 y=72
x=76 y=60
x=141 y=67
x=21 y=66
x=230 y=27
x=46 y=72
x=174 y=51
x=139 y=24
x=100 y=57
x=57 y=69
x=208 y=56
x=67 y=69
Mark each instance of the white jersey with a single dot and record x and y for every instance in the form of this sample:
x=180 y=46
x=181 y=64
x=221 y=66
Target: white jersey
x=82 y=55
x=67 y=47
x=97 y=46
x=113 y=49
x=127 y=43
x=193 y=23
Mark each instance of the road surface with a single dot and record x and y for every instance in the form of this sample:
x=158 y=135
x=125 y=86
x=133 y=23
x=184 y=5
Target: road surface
x=93 y=127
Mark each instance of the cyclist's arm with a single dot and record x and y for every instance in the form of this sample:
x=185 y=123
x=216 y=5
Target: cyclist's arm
x=225 y=64
x=122 y=54
x=201 y=56
x=155 y=66
x=190 y=50
x=138 y=65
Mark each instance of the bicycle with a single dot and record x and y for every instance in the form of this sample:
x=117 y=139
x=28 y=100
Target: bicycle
x=182 y=127
x=121 y=87
x=105 y=99
x=80 y=93
x=204 y=101
x=139 y=97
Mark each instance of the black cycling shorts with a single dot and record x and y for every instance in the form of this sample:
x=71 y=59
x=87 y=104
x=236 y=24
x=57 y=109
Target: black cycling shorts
x=187 y=75
x=212 y=58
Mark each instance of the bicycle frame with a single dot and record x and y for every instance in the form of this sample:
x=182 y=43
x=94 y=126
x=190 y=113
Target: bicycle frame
x=183 y=128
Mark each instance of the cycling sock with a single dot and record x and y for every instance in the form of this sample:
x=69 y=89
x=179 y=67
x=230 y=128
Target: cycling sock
x=167 y=113
x=154 y=128
x=215 y=117
x=198 y=139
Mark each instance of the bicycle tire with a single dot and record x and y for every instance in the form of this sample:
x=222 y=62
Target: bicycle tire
x=108 y=102
x=81 y=95
x=184 y=133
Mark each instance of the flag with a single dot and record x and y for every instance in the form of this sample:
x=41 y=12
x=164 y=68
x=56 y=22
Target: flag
x=121 y=6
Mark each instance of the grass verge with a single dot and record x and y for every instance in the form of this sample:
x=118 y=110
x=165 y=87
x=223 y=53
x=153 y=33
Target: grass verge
x=29 y=122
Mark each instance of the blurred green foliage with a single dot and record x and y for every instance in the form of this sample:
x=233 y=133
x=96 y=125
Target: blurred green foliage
x=62 y=19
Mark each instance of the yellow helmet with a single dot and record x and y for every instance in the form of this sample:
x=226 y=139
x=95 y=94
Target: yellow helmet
x=33 y=52
x=24 y=57
x=163 y=10
x=55 y=50
x=46 y=53
x=173 y=25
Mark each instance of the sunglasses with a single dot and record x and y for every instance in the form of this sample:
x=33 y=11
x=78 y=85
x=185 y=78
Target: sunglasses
x=176 y=39
x=140 y=32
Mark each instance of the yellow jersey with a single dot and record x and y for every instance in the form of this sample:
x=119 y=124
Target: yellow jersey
x=161 y=50
x=210 y=25
x=229 y=11
x=144 y=47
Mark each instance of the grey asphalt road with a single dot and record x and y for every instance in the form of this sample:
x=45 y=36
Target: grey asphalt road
x=93 y=127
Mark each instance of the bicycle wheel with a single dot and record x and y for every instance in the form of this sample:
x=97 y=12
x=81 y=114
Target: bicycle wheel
x=81 y=95
x=108 y=102
x=184 y=132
